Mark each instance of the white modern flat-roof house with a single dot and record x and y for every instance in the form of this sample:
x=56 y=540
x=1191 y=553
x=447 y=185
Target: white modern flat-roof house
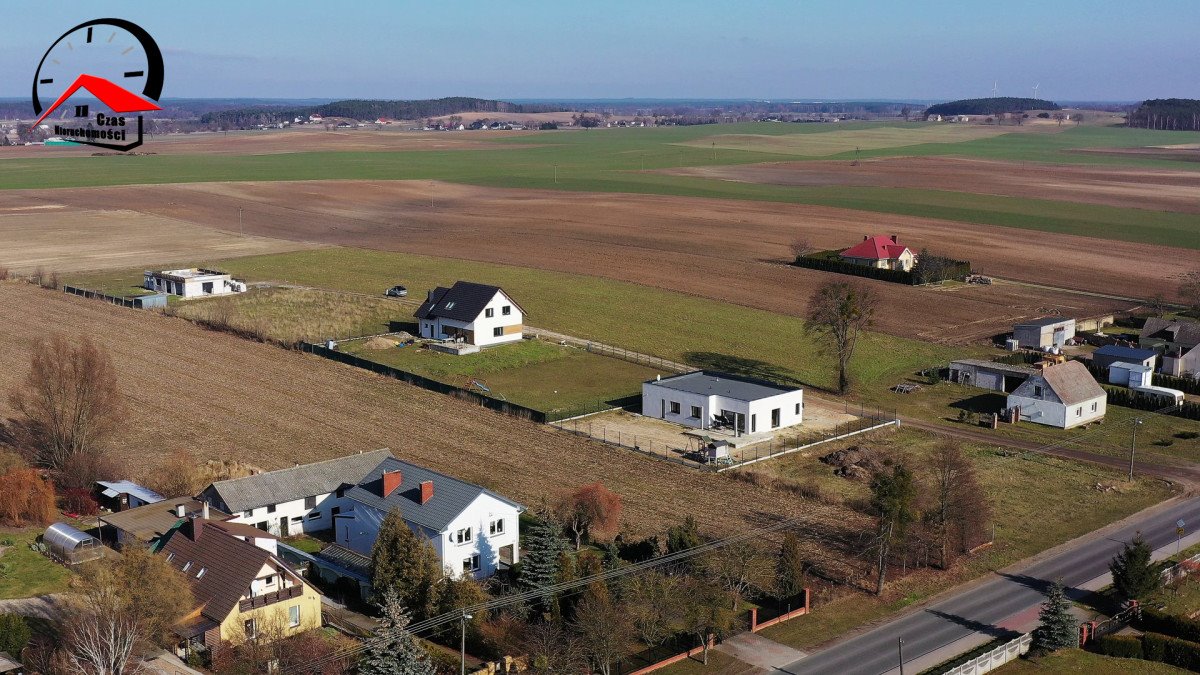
x=1064 y=395
x=477 y=314
x=707 y=400
x=473 y=530
x=192 y=283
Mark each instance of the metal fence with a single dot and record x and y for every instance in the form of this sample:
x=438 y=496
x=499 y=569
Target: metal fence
x=155 y=300
x=1180 y=570
x=1009 y=651
x=643 y=444
x=637 y=357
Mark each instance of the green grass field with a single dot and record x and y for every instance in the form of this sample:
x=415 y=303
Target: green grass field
x=536 y=374
x=621 y=160
x=25 y=573
x=1079 y=661
x=1029 y=518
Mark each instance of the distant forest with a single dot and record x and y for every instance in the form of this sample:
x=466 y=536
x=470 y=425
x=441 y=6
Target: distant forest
x=991 y=106
x=1173 y=114
x=365 y=110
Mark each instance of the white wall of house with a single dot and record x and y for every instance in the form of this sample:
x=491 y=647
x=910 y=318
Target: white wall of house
x=1047 y=409
x=698 y=410
x=483 y=328
x=1041 y=337
x=359 y=530
x=302 y=515
x=193 y=287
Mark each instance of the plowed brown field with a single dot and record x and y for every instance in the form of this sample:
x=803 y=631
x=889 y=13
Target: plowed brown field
x=1157 y=189
x=219 y=396
x=725 y=250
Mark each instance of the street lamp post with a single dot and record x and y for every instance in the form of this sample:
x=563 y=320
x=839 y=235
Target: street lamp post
x=462 y=669
x=1133 y=448
x=900 y=647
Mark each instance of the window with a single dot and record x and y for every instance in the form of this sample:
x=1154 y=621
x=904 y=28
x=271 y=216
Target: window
x=294 y=615
x=334 y=511
x=1079 y=411
x=341 y=492
x=297 y=519
x=269 y=581
x=463 y=536
x=471 y=564
x=249 y=513
x=201 y=572
x=1037 y=391
x=249 y=628
x=498 y=331
x=753 y=423
x=1094 y=407
x=674 y=407
x=506 y=310
x=310 y=502
x=315 y=515
x=271 y=508
x=187 y=565
x=170 y=557
x=450 y=305
x=489 y=313
x=797 y=408
x=695 y=412
x=775 y=418
x=496 y=527
x=264 y=526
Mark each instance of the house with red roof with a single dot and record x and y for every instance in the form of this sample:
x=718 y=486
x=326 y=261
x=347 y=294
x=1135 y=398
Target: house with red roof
x=881 y=252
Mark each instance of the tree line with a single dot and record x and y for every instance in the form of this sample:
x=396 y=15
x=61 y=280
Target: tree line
x=990 y=106
x=1171 y=114
x=361 y=109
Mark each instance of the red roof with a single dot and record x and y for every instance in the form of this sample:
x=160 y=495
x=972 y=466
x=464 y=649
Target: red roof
x=117 y=99
x=878 y=247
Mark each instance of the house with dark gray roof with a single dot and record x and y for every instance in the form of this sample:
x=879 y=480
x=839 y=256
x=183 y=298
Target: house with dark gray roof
x=720 y=401
x=1179 y=343
x=303 y=498
x=473 y=529
x=476 y=314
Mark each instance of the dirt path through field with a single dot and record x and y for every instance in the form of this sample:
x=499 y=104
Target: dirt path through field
x=725 y=250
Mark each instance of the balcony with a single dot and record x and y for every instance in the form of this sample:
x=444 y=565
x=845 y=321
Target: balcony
x=271 y=598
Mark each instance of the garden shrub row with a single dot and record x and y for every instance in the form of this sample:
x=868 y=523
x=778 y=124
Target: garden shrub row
x=1120 y=646
x=829 y=261
x=1156 y=621
x=1152 y=647
x=1188 y=385
x=1131 y=399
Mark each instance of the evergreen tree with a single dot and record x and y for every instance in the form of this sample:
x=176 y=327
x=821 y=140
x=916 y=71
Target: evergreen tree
x=407 y=564
x=683 y=537
x=789 y=567
x=541 y=564
x=1134 y=573
x=14 y=634
x=396 y=651
x=1057 y=627
x=893 y=496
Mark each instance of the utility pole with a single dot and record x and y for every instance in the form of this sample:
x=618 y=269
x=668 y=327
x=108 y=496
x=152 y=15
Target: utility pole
x=900 y=646
x=241 y=223
x=462 y=669
x=556 y=174
x=1137 y=421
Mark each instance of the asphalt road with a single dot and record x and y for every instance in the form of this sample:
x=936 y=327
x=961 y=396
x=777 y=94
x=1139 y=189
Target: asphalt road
x=992 y=608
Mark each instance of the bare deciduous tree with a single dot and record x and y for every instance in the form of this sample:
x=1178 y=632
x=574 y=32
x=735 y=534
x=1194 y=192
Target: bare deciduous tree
x=959 y=507
x=101 y=634
x=802 y=246
x=1189 y=289
x=592 y=510
x=739 y=570
x=72 y=405
x=840 y=312
x=604 y=630
x=653 y=603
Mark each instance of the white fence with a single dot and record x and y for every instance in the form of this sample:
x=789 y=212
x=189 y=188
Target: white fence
x=1009 y=651
x=1182 y=569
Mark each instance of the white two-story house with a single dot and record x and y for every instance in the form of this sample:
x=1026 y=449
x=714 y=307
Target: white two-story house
x=473 y=530
x=478 y=314
x=304 y=498
x=707 y=400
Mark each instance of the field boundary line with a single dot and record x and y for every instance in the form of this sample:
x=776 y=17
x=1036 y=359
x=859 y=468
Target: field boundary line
x=876 y=427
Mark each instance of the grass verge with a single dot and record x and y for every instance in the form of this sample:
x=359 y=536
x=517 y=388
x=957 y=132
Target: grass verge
x=26 y=573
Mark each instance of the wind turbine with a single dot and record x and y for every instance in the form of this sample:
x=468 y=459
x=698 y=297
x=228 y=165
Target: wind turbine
x=1035 y=89
x=995 y=87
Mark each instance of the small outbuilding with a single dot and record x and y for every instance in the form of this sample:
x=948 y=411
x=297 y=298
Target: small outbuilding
x=1109 y=355
x=1051 y=332
x=708 y=400
x=993 y=375
x=119 y=495
x=71 y=546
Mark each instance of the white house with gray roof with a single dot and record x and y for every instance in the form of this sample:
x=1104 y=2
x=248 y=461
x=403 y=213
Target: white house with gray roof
x=473 y=530
x=304 y=498
x=1063 y=395
x=707 y=400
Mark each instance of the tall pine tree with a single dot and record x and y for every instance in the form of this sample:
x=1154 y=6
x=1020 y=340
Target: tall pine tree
x=396 y=651
x=1134 y=573
x=1057 y=627
x=789 y=567
x=541 y=565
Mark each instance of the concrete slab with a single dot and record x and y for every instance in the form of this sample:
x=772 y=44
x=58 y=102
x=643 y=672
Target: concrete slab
x=758 y=651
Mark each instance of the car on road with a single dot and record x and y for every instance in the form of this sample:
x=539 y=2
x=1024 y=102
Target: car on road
x=397 y=292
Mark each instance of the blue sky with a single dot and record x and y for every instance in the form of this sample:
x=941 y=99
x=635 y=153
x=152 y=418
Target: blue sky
x=924 y=49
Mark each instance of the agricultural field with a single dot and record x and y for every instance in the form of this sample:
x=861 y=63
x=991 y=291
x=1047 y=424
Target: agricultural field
x=837 y=141
x=536 y=374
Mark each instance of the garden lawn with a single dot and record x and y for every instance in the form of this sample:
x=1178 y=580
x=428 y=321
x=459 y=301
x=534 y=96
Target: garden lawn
x=26 y=573
x=1079 y=661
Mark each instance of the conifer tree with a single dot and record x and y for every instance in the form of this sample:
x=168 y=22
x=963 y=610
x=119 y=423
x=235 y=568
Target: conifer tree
x=541 y=564
x=407 y=564
x=1057 y=627
x=789 y=567
x=396 y=651
x=1134 y=573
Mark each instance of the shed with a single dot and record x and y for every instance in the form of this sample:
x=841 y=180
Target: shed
x=1045 y=333
x=1111 y=354
x=71 y=546
x=994 y=375
x=118 y=495
x=1131 y=375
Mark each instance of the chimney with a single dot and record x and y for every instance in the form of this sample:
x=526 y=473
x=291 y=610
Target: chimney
x=181 y=510
x=204 y=511
x=391 y=481
x=426 y=491
x=866 y=237
x=895 y=239
x=197 y=527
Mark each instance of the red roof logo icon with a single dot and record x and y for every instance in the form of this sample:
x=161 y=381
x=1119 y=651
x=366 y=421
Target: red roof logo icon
x=114 y=97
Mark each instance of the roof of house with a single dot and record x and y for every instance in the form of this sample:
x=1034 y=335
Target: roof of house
x=1131 y=354
x=112 y=488
x=997 y=366
x=1182 y=332
x=298 y=482
x=879 y=247
x=7 y=663
x=464 y=301
x=451 y=496
x=708 y=383
x=1044 y=322
x=240 y=530
x=151 y=521
x=230 y=564
x=1072 y=382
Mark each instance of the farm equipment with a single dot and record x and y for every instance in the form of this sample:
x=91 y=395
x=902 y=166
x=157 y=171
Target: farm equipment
x=979 y=279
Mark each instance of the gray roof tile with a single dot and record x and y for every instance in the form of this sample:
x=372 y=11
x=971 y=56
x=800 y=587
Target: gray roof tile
x=285 y=485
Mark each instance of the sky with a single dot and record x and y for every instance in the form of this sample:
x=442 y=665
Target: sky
x=772 y=49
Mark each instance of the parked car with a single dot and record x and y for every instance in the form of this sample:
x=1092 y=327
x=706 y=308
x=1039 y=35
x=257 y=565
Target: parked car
x=397 y=292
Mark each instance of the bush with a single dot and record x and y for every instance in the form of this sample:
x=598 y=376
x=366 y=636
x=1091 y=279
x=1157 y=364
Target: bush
x=1187 y=435
x=25 y=497
x=1120 y=646
x=1172 y=651
x=80 y=502
x=14 y=634
x=3 y=273
x=1156 y=621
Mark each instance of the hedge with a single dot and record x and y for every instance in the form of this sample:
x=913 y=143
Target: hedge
x=828 y=261
x=1131 y=399
x=1157 y=621
x=1172 y=651
x=1188 y=385
x=1120 y=646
